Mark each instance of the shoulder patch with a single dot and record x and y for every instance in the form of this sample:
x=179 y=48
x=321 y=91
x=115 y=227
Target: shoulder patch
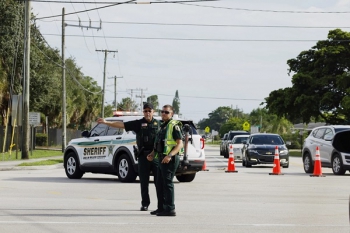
x=177 y=128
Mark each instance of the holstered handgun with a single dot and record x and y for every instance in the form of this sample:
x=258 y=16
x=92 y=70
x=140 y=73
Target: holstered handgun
x=137 y=152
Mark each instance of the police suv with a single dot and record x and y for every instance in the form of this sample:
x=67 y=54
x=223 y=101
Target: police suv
x=110 y=150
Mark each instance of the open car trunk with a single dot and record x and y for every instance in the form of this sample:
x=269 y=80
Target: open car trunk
x=341 y=141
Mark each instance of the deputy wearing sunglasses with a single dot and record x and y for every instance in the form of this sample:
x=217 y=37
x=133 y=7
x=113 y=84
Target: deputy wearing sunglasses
x=167 y=146
x=146 y=130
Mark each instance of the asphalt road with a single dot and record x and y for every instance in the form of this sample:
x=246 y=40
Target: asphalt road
x=251 y=200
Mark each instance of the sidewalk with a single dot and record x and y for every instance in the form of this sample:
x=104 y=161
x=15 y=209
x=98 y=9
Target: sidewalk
x=13 y=165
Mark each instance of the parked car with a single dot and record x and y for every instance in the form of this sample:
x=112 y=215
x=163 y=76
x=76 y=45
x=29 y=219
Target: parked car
x=109 y=150
x=230 y=136
x=322 y=137
x=238 y=143
x=260 y=149
x=223 y=140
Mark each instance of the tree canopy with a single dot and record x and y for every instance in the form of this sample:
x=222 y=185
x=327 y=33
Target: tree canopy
x=83 y=93
x=176 y=103
x=320 y=83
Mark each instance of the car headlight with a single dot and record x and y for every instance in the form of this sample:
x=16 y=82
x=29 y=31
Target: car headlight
x=283 y=152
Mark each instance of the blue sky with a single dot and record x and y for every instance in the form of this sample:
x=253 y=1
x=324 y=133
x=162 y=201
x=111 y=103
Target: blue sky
x=235 y=62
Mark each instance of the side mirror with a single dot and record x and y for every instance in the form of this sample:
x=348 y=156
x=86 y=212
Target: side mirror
x=328 y=137
x=85 y=134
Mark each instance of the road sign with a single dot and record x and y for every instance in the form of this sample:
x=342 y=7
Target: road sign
x=246 y=126
x=34 y=118
x=207 y=129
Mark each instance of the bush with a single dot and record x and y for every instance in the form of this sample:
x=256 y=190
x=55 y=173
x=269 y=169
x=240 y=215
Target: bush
x=41 y=139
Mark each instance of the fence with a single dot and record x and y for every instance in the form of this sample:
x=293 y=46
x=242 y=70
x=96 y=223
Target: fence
x=15 y=137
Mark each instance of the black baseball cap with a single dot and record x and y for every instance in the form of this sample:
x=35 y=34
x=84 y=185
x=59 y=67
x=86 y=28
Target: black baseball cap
x=148 y=105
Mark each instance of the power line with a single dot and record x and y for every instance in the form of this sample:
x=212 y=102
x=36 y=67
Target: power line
x=113 y=2
x=270 y=11
x=97 y=8
x=212 y=25
x=202 y=39
x=209 y=97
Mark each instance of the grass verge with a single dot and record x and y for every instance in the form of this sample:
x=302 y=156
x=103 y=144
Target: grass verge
x=43 y=162
x=35 y=154
x=295 y=153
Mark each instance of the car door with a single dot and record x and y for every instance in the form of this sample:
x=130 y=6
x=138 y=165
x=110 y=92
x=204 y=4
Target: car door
x=93 y=149
x=326 y=147
x=316 y=141
x=112 y=141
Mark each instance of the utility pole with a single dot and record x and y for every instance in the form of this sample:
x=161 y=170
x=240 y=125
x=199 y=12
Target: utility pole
x=115 y=90
x=141 y=96
x=104 y=78
x=25 y=130
x=131 y=94
x=64 y=97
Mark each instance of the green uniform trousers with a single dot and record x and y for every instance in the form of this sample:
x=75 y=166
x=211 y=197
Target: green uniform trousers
x=166 y=173
x=145 y=167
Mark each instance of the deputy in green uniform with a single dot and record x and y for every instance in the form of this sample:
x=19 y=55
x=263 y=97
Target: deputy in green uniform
x=167 y=147
x=146 y=130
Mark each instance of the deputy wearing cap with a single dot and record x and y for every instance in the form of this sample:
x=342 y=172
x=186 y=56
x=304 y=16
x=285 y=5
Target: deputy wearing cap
x=146 y=130
x=167 y=147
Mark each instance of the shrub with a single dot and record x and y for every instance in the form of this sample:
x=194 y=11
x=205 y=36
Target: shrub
x=41 y=139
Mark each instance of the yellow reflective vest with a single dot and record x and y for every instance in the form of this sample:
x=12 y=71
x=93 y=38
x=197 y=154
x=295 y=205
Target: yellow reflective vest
x=169 y=142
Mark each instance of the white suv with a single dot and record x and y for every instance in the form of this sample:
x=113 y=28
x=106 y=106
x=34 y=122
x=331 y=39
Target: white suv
x=110 y=150
x=322 y=137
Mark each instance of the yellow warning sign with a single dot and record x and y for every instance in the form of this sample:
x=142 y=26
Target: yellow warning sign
x=246 y=126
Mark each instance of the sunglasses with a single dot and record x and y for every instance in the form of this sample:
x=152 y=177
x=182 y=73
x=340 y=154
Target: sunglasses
x=147 y=111
x=165 y=112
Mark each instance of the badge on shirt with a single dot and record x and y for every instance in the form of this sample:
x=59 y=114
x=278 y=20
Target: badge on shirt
x=144 y=124
x=155 y=123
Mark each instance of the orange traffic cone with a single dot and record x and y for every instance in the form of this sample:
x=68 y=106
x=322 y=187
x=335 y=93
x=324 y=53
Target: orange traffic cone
x=204 y=168
x=276 y=164
x=317 y=165
x=231 y=161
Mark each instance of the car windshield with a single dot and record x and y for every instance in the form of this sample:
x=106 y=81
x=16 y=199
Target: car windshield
x=239 y=140
x=267 y=140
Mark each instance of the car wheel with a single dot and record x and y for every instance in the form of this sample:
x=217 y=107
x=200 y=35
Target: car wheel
x=186 y=177
x=226 y=155
x=337 y=165
x=286 y=166
x=247 y=164
x=308 y=165
x=71 y=167
x=243 y=162
x=126 y=171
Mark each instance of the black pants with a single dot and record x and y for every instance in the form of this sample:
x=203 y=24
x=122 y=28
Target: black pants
x=145 y=167
x=166 y=173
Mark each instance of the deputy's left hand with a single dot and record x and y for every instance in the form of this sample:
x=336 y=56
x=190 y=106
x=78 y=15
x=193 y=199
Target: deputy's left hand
x=166 y=159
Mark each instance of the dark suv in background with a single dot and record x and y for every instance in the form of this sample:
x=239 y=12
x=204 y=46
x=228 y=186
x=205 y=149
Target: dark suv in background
x=231 y=134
